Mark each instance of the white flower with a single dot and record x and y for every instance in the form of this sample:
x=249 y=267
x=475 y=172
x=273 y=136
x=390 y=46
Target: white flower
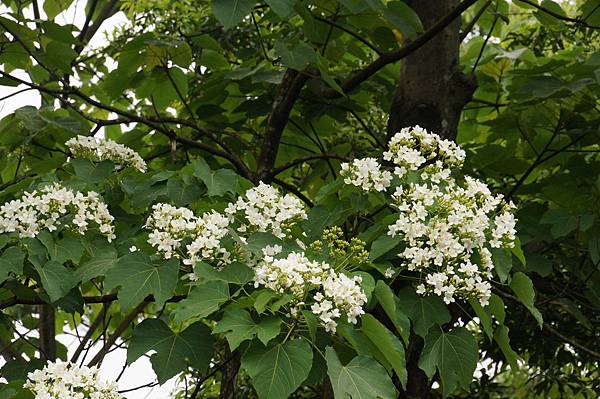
x=412 y=147
x=51 y=207
x=336 y=294
x=366 y=173
x=264 y=209
x=389 y=272
x=170 y=226
x=63 y=380
x=97 y=149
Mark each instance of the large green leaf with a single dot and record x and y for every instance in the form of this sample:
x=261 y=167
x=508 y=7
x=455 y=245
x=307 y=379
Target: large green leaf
x=278 y=370
x=424 y=312
x=231 y=12
x=217 y=182
x=523 y=288
x=454 y=355
x=362 y=378
x=283 y=8
x=202 y=301
x=389 y=303
x=11 y=261
x=389 y=345
x=56 y=279
x=138 y=277
x=238 y=326
x=173 y=351
x=100 y=257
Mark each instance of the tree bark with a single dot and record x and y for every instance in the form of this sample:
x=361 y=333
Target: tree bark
x=432 y=90
x=229 y=374
x=47 y=328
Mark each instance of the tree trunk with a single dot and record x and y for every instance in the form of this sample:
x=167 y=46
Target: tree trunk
x=47 y=330
x=432 y=90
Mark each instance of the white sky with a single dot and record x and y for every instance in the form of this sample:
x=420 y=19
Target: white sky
x=140 y=372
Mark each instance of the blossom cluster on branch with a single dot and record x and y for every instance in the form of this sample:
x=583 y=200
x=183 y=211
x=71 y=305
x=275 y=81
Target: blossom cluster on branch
x=366 y=173
x=64 y=380
x=177 y=232
x=448 y=225
x=53 y=206
x=264 y=209
x=98 y=149
x=336 y=293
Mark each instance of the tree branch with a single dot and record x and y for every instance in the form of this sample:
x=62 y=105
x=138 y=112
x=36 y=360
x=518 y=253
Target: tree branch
x=579 y=21
x=351 y=33
x=390 y=57
x=117 y=333
x=298 y=161
x=287 y=94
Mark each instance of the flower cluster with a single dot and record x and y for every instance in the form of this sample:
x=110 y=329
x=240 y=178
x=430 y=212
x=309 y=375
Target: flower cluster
x=63 y=380
x=336 y=294
x=448 y=225
x=445 y=228
x=366 y=173
x=171 y=226
x=96 y=149
x=264 y=209
x=413 y=147
x=50 y=207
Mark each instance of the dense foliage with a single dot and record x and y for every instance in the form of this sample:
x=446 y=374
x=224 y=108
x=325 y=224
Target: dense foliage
x=224 y=186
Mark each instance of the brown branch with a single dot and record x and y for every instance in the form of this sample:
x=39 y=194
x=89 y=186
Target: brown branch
x=287 y=94
x=117 y=333
x=301 y=160
x=476 y=18
x=351 y=33
x=394 y=56
x=88 y=335
x=86 y=299
x=154 y=123
x=85 y=36
x=579 y=21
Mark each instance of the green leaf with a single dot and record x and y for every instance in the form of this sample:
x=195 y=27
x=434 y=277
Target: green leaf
x=55 y=7
x=277 y=371
x=523 y=288
x=56 y=279
x=502 y=259
x=362 y=378
x=383 y=245
x=485 y=319
x=389 y=303
x=424 y=312
x=91 y=172
x=231 y=12
x=403 y=17
x=453 y=354
x=101 y=257
x=238 y=326
x=61 y=250
x=389 y=345
x=174 y=351
x=298 y=56
x=236 y=273
x=283 y=8
x=217 y=182
x=138 y=277
x=11 y=261
x=202 y=301
x=501 y=338
x=181 y=193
